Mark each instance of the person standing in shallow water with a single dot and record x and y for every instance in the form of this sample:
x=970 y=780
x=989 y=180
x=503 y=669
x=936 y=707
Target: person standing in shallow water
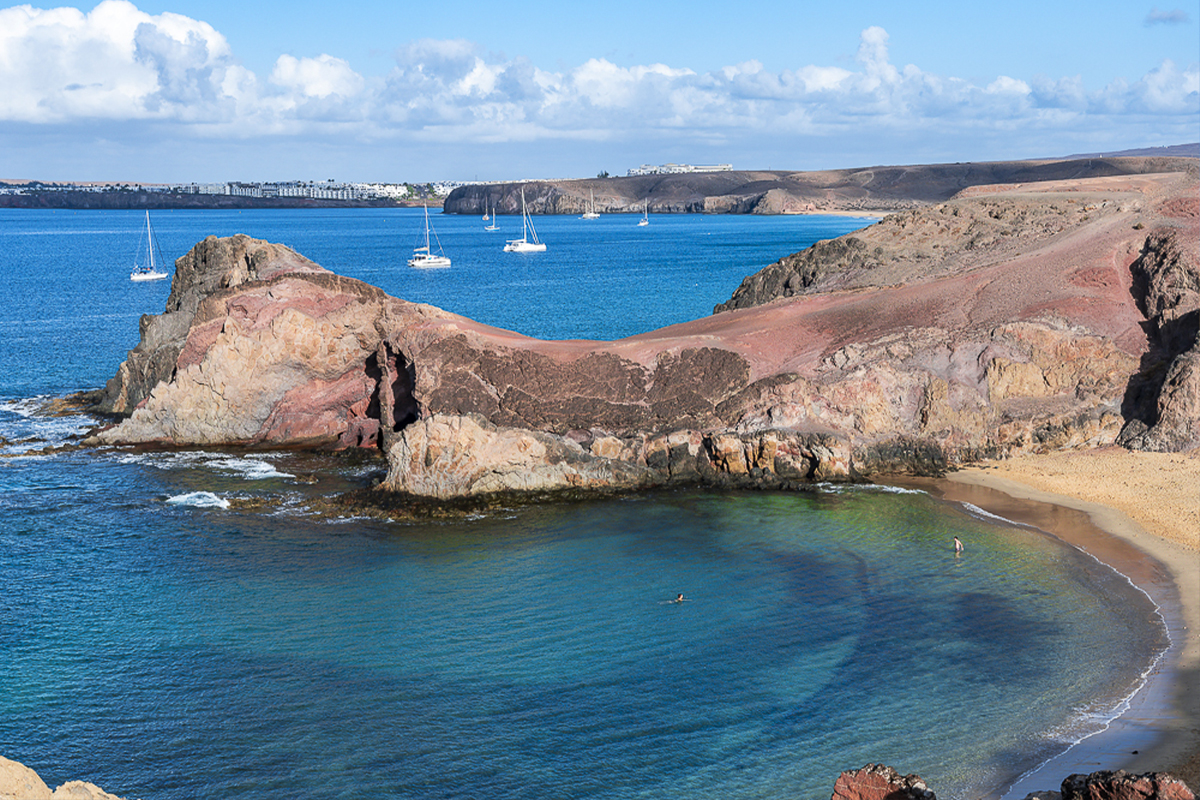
x=958 y=546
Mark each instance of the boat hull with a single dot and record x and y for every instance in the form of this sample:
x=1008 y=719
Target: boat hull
x=429 y=262
x=521 y=246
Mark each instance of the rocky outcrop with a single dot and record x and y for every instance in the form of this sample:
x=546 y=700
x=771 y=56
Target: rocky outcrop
x=1163 y=404
x=879 y=782
x=208 y=269
x=1121 y=785
x=896 y=352
x=19 y=782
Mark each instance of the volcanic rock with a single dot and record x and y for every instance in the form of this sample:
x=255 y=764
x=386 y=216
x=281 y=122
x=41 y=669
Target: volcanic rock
x=1121 y=785
x=1010 y=319
x=882 y=189
x=879 y=782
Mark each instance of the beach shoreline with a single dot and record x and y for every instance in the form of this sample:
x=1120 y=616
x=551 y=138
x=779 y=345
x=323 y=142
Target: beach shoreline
x=1136 y=513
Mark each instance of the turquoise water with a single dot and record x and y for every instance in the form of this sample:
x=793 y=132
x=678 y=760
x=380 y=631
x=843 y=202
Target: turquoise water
x=163 y=646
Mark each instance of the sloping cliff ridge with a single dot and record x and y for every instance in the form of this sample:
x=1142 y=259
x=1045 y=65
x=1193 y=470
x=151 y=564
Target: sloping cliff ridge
x=867 y=189
x=1005 y=320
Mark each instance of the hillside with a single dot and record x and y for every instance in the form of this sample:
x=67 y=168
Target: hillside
x=871 y=189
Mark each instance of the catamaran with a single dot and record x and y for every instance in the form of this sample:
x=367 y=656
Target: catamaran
x=524 y=245
x=423 y=257
x=591 y=212
x=147 y=271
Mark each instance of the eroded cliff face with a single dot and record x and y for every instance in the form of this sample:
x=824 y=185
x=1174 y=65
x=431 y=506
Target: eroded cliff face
x=899 y=352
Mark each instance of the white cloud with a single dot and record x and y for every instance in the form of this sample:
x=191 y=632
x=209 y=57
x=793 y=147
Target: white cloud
x=316 y=77
x=117 y=64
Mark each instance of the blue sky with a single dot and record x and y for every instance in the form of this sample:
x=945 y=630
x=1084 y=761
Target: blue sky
x=213 y=90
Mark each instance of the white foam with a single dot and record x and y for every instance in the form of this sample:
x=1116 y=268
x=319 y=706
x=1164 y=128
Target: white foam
x=843 y=488
x=894 y=489
x=252 y=469
x=199 y=500
x=979 y=513
x=28 y=429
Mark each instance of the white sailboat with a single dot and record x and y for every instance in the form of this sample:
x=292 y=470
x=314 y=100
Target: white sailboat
x=147 y=271
x=645 y=220
x=591 y=213
x=492 y=226
x=524 y=245
x=423 y=257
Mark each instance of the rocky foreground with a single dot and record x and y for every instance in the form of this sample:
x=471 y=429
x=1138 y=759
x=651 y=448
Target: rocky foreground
x=1011 y=319
x=872 y=782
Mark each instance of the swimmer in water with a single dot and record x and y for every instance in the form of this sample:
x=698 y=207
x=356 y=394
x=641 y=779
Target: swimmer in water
x=958 y=546
x=679 y=597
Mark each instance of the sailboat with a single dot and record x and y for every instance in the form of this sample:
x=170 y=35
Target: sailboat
x=423 y=257
x=492 y=226
x=147 y=271
x=645 y=220
x=591 y=213
x=523 y=245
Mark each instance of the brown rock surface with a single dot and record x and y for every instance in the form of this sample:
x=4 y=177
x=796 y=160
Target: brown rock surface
x=999 y=324
x=862 y=190
x=1121 y=785
x=879 y=782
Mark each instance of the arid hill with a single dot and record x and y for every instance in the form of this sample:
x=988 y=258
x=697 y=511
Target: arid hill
x=870 y=189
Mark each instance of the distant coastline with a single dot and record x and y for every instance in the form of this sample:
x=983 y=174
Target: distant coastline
x=141 y=199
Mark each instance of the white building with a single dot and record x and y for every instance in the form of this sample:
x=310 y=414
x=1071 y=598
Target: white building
x=676 y=169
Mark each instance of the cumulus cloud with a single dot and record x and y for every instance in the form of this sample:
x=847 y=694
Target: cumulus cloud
x=118 y=64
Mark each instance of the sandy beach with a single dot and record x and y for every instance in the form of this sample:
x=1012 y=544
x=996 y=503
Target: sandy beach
x=1121 y=507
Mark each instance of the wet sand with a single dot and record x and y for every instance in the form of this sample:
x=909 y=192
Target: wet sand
x=1140 y=514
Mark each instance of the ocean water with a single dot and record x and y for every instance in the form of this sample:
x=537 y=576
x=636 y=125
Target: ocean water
x=183 y=625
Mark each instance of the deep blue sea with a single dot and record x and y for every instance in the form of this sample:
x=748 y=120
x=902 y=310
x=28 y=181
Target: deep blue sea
x=178 y=625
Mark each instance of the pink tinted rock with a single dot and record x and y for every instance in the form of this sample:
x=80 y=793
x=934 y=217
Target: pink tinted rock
x=880 y=782
x=1121 y=785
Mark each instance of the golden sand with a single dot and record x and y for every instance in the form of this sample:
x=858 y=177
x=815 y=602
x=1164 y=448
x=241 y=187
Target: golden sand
x=1159 y=491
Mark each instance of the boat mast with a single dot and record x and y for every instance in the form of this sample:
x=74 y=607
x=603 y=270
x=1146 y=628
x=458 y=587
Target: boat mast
x=149 y=240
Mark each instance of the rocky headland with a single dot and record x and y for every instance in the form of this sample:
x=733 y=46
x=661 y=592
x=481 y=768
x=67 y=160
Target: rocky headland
x=867 y=190
x=1011 y=319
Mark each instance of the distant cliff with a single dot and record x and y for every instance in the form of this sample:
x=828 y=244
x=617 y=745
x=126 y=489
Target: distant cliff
x=869 y=190
x=1010 y=319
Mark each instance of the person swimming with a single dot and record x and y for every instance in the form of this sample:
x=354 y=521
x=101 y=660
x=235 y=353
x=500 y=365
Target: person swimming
x=679 y=598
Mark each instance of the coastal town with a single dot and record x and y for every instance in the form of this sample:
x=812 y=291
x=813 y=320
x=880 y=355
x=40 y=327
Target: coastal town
x=324 y=190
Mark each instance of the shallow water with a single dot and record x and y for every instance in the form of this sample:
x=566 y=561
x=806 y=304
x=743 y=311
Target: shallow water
x=163 y=646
